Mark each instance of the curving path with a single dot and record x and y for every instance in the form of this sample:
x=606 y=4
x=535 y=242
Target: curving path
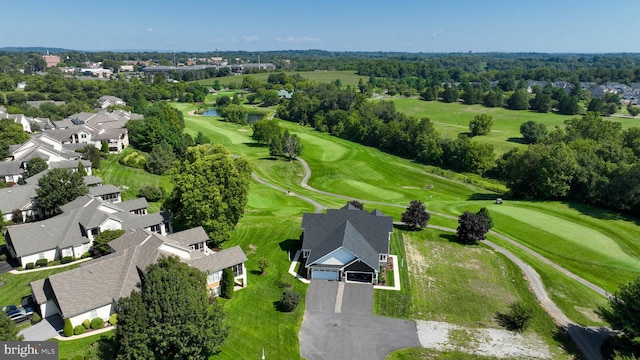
x=588 y=339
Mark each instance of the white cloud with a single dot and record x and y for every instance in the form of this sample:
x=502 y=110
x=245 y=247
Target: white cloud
x=149 y=29
x=437 y=33
x=293 y=40
x=249 y=39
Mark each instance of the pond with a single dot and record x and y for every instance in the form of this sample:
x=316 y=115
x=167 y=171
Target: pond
x=250 y=118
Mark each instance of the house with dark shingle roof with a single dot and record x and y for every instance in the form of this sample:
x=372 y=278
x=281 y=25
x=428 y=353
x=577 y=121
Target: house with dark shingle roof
x=347 y=244
x=116 y=275
x=72 y=232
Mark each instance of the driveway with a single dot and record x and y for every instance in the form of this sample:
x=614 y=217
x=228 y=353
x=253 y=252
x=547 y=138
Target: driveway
x=45 y=329
x=338 y=324
x=4 y=267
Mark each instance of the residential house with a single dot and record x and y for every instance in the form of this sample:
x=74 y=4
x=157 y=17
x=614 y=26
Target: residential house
x=348 y=244
x=20 y=197
x=108 y=100
x=116 y=275
x=108 y=193
x=11 y=171
x=51 y=60
x=72 y=232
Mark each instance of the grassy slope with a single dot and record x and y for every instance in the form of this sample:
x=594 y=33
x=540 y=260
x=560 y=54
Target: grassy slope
x=464 y=285
x=453 y=119
x=17 y=285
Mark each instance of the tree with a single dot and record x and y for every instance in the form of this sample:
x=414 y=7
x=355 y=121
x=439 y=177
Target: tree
x=92 y=154
x=480 y=125
x=81 y=169
x=484 y=213
x=623 y=313
x=16 y=216
x=416 y=215
x=357 y=204
x=633 y=110
x=161 y=159
x=568 y=105
x=263 y=264
x=58 y=187
x=233 y=113
x=210 y=190
x=171 y=317
x=10 y=133
x=201 y=139
x=35 y=165
x=68 y=328
x=8 y=329
x=450 y=94
x=532 y=131
x=264 y=131
x=270 y=98
x=519 y=100
x=493 y=98
x=289 y=301
x=151 y=193
x=105 y=147
x=291 y=145
x=101 y=242
x=471 y=228
x=517 y=318
x=227 y=283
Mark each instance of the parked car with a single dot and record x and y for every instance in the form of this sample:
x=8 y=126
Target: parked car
x=14 y=311
x=21 y=315
x=6 y=309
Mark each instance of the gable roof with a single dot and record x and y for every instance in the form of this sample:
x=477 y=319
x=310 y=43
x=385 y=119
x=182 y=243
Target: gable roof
x=118 y=274
x=373 y=227
x=18 y=196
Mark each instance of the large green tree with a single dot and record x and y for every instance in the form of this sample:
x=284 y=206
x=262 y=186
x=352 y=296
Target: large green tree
x=519 y=100
x=58 y=187
x=471 y=228
x=101 y=242
x=10 y=133
x=416 y=215
x=480 y=125
x=264 y=131
x=623 y=313
x=532 y=131
x=210 y=190
x=8 y=329
x=34 y=166
x=171 y=317
x=160 y=159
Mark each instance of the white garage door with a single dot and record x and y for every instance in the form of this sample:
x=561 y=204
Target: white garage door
x=324 y=274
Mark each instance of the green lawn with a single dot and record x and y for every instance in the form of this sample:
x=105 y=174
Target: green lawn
x=346 y=77
x=17 y=285
x=464 y=285
x=91 y=347
x=451 y=119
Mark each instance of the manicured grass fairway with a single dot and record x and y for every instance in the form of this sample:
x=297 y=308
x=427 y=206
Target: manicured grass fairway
x=346 y=77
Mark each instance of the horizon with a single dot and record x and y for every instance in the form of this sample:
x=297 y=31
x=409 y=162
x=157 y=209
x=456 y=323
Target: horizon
x=410 y=26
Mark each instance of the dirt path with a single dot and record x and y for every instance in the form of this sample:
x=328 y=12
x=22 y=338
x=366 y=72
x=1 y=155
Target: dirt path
x=588 y=339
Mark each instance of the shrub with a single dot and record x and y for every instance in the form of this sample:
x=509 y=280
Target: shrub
x=227 y=283
x=113 y=319
x=97 y=323
x=3 y=257
x=517 y=318
x=68 y=328
x=41 y=262
x=79 y=330
x=66 y=259
x=86 y=323
x=54 y=262
x=29 y=266
x=85 y=255
x=263 y=264
x=151 y=193
x=289 y=301
x=135 y=159
x=35 y=318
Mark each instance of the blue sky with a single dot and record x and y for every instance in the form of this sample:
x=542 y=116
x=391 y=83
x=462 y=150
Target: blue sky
x=348 y=25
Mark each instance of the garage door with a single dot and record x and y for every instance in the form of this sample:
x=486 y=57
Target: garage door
x=324 y=274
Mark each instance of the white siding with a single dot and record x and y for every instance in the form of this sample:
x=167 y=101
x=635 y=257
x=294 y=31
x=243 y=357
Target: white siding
x=49 y=309
x=49 y=255
x=81 y=249
x=340 y=256
x=176 y=251
x=110 y=224
x=102 y=312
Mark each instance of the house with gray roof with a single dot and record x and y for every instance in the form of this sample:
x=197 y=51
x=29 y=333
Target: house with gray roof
x=347 y=244
x=72 y=232
x=116 y=275
x=20 y=197
x=108 y=193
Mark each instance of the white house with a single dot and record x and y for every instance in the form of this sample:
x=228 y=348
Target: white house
x=111 y=277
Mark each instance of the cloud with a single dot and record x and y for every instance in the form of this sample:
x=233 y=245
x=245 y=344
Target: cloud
x=149 y=29
x=249 y=39
x=437 y=33
x=293 y=40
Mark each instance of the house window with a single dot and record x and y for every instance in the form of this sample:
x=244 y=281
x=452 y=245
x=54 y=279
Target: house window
x=305 y=253
x=83 y=136
x=383 y=257
x=214 y=277
x=237 y=269
x=155 y=228
x=197 y=246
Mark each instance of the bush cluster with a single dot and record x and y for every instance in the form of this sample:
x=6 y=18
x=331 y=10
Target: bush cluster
x=86 y=323
x=135 y=159
x=517 y=318
x=78 y=330
x=41 y=262
x=3 y=257
x=29 y=266
x=68 y=328
x=151 y=193
x=97 y=323
x=289 y=301
x=113 y=319
x=66 y=259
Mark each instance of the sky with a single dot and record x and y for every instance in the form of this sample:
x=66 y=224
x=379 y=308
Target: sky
x=553 y=26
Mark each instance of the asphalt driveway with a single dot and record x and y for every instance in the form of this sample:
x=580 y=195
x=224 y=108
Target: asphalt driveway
x=338 y=324
x=45 y=329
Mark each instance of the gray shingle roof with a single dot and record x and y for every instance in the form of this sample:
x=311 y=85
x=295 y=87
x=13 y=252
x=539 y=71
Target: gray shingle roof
x=345 y=236
x=375 y=228
x=10 y=168
x=190 y=236
x=220 y=260
x=103 y=190
x=92 y=180
x=135 y=204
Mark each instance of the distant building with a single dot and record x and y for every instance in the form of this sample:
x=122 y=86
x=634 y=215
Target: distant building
x=51 y=60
